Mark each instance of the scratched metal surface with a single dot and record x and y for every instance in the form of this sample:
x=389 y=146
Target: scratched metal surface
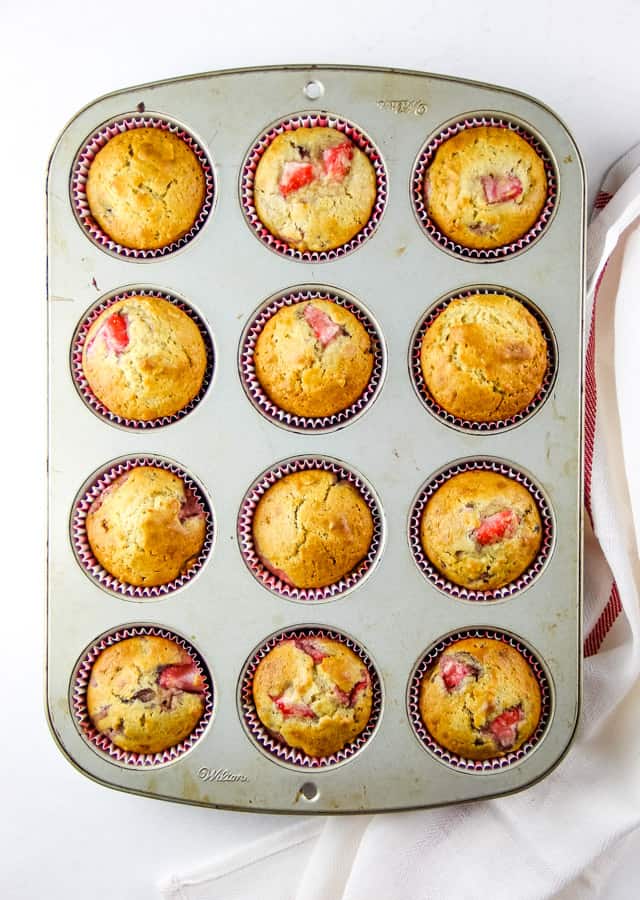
x=225 y=274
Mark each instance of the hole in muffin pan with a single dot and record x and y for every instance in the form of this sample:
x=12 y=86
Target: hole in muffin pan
x=311 y=119
x=309 y=791
x=256 y=394
x=78 y=343
x=468 y=425
x=80 y=170
x=269 y=743
x=313 y=90
x=500 y=467
x=275 y=583
x=99 y=742
x=425 y=157
x=453 y=760
x=101 y=479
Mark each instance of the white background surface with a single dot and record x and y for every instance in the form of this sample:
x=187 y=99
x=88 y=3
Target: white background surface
x=60 y=834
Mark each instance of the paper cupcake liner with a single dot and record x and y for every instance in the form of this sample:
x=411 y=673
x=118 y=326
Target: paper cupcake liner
x=100 y=741
x=275 y=413
x=270 y=744
x=455 y=590
x=311 y=120
x=468 y=424
x=80 y=172
x=446 y=243
x=245 y=529
x=82 y=385
x=82 y=547
x=477 y=766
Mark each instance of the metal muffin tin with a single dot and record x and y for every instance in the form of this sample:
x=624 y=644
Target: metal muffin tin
x=397 y=274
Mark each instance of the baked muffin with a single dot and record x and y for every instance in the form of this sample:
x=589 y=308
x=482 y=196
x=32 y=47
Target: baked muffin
x=310 y=529
x=147 y=527
x=481 y=530
x=313 y=358
x=314 y=189
x=145 y=188
x=145 y=693
x=313 y=694
x=484 y=357
x=480 y=699
x=486 y=187
x=144 y=358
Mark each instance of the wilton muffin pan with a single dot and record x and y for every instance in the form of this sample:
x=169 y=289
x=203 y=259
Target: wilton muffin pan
x=395 y=445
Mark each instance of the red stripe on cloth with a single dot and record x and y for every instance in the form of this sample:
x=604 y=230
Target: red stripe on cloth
x=590 y=400
x=602 y=627
x=602 y=199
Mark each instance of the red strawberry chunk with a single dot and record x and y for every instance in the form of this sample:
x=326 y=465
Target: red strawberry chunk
x=504 y=727
x=500 y=188
x=294 y=176
x=324 y=328
x=358 y=688
x=340 y=694
x=336 y=161
x=496 y=527
x=182 y=678
x=307 y=646
x=288 y=708
x=453 y=671
x=114 y=333
x=190 y=507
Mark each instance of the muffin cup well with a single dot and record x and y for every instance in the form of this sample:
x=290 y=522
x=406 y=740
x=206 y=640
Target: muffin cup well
x=255 y=391
x=272 y=745
x=440 y=412
x=476 y=766
x=245 y=529
x=311 y=120
x=92 y=489
x=101 y=742
x=455 y=590
x=425 y=158
x=80 y=171
x=82 y=385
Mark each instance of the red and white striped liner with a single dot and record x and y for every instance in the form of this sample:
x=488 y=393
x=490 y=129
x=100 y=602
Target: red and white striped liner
x=82 y=548
x=80 y=173
x=276 y=414
x=455 y=590
x=245 y=529
x=102 y=742
x=270 y=743
x=477 y=766
x=468 y=424
x=82 y=385
x=311 y=120
x=425 y=159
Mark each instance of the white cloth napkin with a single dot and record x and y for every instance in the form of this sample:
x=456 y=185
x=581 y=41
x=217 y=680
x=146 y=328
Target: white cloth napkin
x=560 y=837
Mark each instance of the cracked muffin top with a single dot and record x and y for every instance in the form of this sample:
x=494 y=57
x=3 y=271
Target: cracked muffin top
x=145 y=188
x=313 y=693
x=481 y=530
x=145 y=694
x=144 y=358
x=313 y=358
x=480 y=699
x=484 y=357
x=310 y=529
x=147 y=527
x=486 y=187
x=314 y=189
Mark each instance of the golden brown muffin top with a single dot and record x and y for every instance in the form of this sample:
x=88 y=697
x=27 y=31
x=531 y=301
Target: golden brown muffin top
x=484 y=357
x=145 y=693
x=314 y=189
x=313 y=358
x=144 y=358
x=313 y=693
x=480 y=699
x=310 y=529
x=486 y=187
x=481 y=530
x=145 y=188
